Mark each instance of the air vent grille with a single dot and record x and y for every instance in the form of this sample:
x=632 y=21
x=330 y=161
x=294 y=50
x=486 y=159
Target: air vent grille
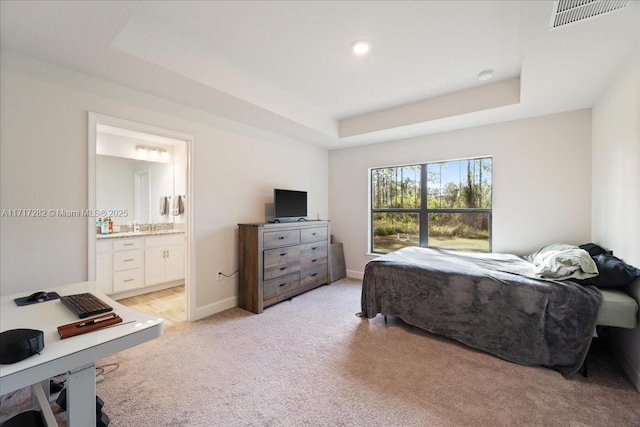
x=571 y=11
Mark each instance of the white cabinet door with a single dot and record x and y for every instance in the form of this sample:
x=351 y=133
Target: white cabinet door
x=174 y=263
x=103 y=272
x=154 y=265
x=164 y=259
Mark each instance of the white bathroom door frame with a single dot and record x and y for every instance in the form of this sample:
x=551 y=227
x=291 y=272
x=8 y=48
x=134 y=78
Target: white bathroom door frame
x=190 y=249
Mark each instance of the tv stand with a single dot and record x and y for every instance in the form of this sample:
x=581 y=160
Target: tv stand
x=278 y=261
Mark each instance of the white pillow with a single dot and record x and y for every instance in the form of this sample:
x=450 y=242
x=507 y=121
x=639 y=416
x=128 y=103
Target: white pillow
x=560 y=261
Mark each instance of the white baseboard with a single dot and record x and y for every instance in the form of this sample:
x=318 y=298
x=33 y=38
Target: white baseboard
x=217 y=307
x=353 y=274
x=146 y=290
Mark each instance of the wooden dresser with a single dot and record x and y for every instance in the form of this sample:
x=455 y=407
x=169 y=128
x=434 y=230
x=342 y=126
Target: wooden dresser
x=280 y=260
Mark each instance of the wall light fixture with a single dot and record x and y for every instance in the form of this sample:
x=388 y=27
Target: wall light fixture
x=152 y=153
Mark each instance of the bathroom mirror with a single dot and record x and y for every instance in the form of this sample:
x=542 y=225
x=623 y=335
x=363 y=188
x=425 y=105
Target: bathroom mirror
x=135 y=187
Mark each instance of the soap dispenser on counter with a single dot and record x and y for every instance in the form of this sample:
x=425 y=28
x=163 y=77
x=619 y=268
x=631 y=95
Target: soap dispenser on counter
x=103 y=225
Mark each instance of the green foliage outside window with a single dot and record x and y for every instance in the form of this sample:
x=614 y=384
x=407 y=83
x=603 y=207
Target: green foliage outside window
x=456 y=213
x=397 y=187
x=461 y=184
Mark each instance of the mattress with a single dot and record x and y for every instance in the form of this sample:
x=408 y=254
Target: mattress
x=618 y=309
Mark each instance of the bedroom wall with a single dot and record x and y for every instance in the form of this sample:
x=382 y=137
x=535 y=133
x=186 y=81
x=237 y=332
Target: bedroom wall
x=616 y=190
x=43 y=155
x=541 y=181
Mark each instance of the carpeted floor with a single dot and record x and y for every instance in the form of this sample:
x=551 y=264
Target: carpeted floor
x=311 y=362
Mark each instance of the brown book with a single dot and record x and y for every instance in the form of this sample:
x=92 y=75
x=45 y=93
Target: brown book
x=88 y=325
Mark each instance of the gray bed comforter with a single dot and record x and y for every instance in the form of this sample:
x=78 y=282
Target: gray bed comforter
x=492 y=302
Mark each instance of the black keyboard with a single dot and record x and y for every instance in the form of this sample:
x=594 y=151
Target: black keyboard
x=85 y=305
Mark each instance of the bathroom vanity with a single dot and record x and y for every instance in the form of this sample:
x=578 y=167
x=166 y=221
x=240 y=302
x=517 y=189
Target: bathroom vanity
x=133 y=263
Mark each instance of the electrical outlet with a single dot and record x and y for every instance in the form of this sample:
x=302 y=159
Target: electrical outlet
x=220 y=276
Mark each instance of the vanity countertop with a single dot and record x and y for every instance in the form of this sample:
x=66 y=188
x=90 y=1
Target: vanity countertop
x=130 y=234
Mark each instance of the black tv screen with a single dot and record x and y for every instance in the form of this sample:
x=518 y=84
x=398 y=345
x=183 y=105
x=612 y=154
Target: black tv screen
x=289 y=203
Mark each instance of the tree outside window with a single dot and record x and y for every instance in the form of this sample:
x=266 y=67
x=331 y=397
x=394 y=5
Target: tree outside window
x=445 y=205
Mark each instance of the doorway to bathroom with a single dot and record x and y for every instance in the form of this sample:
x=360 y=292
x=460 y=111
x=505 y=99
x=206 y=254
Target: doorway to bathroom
x=140 y=178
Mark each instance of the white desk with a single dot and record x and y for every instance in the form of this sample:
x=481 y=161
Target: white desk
x=75 y=356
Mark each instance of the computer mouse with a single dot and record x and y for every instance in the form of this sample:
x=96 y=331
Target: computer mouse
x=37 y=296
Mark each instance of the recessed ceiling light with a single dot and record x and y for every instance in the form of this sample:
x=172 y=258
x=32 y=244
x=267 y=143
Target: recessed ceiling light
x=485 y=75
x=360 y=47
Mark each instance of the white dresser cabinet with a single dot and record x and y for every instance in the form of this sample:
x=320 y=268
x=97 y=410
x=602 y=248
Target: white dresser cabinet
x=163 y=259
x=103 y=266
x=127 y=264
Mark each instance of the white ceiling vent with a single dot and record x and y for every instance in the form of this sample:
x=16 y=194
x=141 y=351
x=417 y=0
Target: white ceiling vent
x=571 y=11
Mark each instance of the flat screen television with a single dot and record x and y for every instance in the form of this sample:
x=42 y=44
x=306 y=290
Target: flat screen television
x=289 y=205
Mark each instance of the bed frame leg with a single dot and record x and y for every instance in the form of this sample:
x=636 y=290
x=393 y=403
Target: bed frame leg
x=385 y=320
x=583 y=369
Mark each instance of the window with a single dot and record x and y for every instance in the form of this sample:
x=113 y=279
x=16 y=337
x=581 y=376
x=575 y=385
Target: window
x=445 y=205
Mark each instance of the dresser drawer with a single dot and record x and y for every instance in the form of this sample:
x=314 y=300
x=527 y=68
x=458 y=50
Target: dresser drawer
x=280 y=269
x=312 y=261
x=280 y=286
x=127 y=260
x=313 y=276
x=125 y=280
x=274 y=239
x=315 y=234
x=278 y=255
x=127 y=244
x=314 y=249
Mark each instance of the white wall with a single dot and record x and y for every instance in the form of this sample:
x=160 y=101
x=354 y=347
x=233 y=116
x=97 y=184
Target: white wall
x=616 y=189
x=541 y=181
x=44 y=115
x=616 y=166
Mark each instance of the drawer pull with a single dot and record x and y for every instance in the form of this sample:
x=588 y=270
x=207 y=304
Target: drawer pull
x=129 y=260
x=313 y=260
x=128 y=280
x=282 y=284
x=281 y=238
x=313 y=234
x=283 y=268
x=127 y=244
x=284 y=254
x=314 y=274
x=314 y=248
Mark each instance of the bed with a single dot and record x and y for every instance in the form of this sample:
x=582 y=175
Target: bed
x=492 y=302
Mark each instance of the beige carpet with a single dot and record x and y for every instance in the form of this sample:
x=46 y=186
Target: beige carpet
x=311 y=362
